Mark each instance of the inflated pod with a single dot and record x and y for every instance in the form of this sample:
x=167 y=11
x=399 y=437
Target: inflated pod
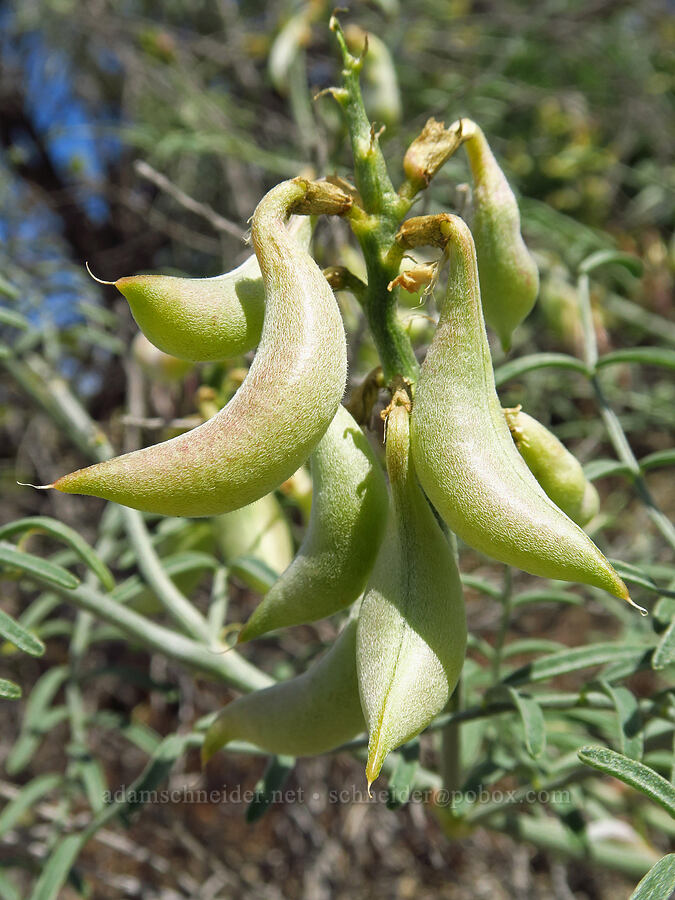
x=464 y=454
x=259 y=530
x=347 y=521
x=555 y=468
x=311 y=713
x=203 y=319
x=280 y=412
x=509 y=279
x=411 y=637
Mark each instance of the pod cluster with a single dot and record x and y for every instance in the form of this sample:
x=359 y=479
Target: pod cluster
x=379 y=538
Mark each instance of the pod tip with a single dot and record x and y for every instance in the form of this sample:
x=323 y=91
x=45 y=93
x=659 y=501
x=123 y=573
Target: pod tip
x=38 y=487
x=631 y=602
x=99 y=280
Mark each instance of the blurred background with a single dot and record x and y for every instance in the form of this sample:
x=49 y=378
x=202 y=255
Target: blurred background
x=139 y=137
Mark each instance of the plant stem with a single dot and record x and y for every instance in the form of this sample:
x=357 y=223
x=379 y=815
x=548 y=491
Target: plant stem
x=376 y=230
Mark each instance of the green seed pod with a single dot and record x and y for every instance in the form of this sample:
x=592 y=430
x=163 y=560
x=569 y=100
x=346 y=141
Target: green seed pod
x=311 y=713
x=590 y=504
x=509 y=279
x=555 y=468
x=349 y=512
x=204 y=319
x=259 y=530
x=465 y=457
x=280 y=412
x=411 y=637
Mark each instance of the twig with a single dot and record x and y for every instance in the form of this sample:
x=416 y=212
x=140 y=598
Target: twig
x=217 y=222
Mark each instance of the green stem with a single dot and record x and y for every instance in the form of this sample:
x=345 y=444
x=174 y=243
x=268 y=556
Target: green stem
x=225 y=665
x=376 y=230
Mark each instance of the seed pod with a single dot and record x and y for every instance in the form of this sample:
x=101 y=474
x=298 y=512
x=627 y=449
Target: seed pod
x=204 y=319
x=555 y=468
x=411 y=637
x=465 y=457
x=280 y=412
x=349 y=512
x=259 y=530
x=509 y=279
x=311 y=713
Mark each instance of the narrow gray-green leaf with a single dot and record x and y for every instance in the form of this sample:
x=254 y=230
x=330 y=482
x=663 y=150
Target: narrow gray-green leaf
x=531 y=645
x=16 y=634
x=154 y=774
x=658 y=460
x=12 y=558
x=9 y=690
x=609 y=257
x=601 y=468
x=35 y=717
x=69 y=536
x=664 y=654
x=659 y=882
x=633 y=773
x=653 y=356
x=639 y=575
x=517 y=367
x=531 y=717
x=629 y=720
x=57 y=868
x=29 y=794
x=573 y=659
x=269 y=789
x=549 y=596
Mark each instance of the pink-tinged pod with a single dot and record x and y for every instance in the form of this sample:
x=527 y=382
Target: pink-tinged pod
x=280 y=412
x=465 y=457
x=509 y=278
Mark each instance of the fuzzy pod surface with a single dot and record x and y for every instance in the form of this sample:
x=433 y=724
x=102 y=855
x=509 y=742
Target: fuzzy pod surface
x=509 y=278
x=204 y=319
x=465 y=457
x=311 y=713
x=557 y=470
x=278 y=415
x=411 y=637
x=347 y=521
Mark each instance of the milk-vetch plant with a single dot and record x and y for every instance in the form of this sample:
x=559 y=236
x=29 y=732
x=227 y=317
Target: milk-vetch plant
x=382 y=532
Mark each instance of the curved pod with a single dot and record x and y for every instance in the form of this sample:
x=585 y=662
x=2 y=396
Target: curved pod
x=509 y=278
x=278 y=415
x=311 y=713
x=465 y=457
x=349 y=512
x=411 y=637
x=558 y=472
x=204 y=319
